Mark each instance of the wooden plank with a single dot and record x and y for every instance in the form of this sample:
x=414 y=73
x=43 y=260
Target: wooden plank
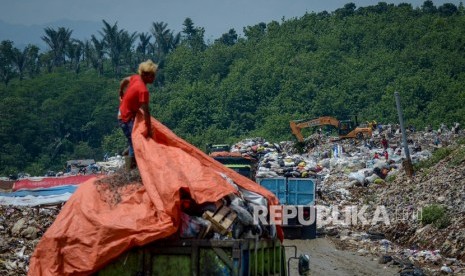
x=221 y=220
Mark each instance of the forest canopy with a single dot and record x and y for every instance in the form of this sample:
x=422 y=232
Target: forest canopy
x=60 y=103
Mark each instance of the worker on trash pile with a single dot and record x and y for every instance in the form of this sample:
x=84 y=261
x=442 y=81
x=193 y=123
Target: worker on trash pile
x=384 y=142
x=372 y=125
x=131 y=99
x=437 y=141
x=455 y=128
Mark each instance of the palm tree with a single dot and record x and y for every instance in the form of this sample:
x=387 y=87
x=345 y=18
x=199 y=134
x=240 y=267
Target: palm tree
x=96 y=54
x=127 y=42
x=19 y=59
x=118 y=44
x=143 y=46
x=74 y=51
x=165 y=40
x=57 y=40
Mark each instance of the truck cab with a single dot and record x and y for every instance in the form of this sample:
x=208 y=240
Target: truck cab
x=244 y=165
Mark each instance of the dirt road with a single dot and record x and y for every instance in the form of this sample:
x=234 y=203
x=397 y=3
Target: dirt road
x=327 y=260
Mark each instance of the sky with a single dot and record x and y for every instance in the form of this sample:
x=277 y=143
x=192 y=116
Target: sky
x=216 y=16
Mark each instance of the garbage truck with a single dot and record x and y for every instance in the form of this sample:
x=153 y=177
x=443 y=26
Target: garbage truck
x=202 y=257
x=297 y=195
x=243 y=164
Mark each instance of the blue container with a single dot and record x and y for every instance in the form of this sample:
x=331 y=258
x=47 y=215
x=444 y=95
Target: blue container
x=297 y=192
x=291 y=191
x=301 y=191
x=277 y=186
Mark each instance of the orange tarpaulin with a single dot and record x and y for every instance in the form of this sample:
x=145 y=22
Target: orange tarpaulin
x=89 y=232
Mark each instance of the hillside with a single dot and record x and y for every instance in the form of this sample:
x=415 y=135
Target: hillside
x=347 y=62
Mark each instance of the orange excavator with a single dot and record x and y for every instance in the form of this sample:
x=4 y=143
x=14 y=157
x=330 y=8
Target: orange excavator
x=347 y=129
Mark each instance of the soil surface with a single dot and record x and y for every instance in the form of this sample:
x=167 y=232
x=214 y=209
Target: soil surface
x=327 y=260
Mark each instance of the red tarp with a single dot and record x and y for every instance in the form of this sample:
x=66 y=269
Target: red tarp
x=48 y=182
x=89 y=233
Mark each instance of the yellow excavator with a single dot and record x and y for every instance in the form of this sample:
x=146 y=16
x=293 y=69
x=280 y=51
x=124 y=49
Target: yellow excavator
x=347 y=129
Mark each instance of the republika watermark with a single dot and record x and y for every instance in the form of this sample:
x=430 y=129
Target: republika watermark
x=332 y=215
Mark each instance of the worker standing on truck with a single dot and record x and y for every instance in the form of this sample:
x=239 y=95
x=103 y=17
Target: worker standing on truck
x=131 y=99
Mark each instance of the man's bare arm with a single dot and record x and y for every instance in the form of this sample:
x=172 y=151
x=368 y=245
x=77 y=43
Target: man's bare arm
x=122 y=87
x=145 y=108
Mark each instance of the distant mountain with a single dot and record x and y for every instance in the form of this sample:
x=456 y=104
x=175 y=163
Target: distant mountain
x=23 y=35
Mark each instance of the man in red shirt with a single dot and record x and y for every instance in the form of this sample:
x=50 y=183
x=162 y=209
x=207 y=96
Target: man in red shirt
x=133 y=94
x=384 y=142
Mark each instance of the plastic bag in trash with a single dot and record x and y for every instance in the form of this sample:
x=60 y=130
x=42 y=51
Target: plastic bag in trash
x=239 y=206
x=359 y=176
x=191 y=226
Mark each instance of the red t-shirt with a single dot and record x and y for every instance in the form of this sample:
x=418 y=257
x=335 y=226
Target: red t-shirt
x=136 y=94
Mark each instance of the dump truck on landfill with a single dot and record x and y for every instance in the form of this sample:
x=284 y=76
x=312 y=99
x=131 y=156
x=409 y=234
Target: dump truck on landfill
x=244 y=165
x=296 y=194
x=180 y=213
x=216 y=248
x=298 y=197
x=202 y=257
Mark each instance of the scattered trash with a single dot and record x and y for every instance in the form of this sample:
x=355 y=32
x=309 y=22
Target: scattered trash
x=348 y=175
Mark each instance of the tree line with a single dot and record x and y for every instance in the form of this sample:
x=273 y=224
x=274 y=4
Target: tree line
x=61 y=103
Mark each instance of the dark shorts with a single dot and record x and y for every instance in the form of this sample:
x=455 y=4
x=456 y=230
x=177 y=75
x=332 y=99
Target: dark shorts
x=127 y=130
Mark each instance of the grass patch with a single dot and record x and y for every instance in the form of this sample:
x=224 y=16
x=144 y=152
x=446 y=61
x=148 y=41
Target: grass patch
x=390 y=178
x=461 y=141
x=437 y=156
x=458 y=157
x=435 y=214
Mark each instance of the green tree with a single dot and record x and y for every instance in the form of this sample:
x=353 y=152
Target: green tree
x=7 y=53
x=193 y=36
x=57 y=40
x=32 y=60
x=229 y=38
x=118 y=45
x=142 y=50
x=165 y=40
x=75 y=51
x=96 y=54
x=447 y=9
x=428 y=7
x=255 y=33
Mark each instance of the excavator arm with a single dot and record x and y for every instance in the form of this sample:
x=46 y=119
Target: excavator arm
x=297 y=126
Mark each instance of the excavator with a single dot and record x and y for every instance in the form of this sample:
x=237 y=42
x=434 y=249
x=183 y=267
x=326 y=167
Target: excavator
x=347 y=129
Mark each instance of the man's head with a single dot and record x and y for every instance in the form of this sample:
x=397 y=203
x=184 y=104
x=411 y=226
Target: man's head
x=148 y=70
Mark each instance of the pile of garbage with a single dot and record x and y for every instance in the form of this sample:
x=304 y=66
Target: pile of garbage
x=20 y=230
x=371 y=173
x=229 y=218
x=349 y=172
x=111 y=164
x=416 y=243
